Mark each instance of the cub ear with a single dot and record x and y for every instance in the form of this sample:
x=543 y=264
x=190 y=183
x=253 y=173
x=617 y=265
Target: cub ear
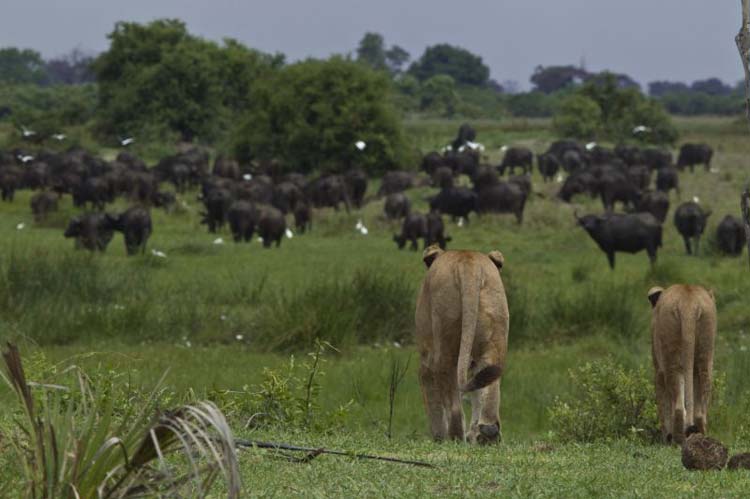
x=430 y=254
x=654 y=294
x=497 y=258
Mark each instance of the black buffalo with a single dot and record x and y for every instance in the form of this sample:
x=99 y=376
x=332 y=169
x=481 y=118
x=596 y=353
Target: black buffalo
x=396 y=181
x=136 y=228
x=442 y=177
x=580 y=182
x=505 y=197
x=629 y=233
x=217 y=205
x=695 y=154
x=396 y=206
x=303 y=217
x=92 y=231
x=435 y=231
x=466 y=133
x=730 y=235
x=356 y=183
x=667 y=178
x=690 y=220
x=271 y=226
x=456 y=202
x=654 y=202
x=614 y=186
x=242 y=217
x=413 y=229
x=43 y=203
x=516 y=157
x=656 y=158
x=548 y=165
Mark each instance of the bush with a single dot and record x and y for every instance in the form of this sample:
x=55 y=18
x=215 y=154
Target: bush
x=310 y=115
x=603 y=109
x=373 y=306
x=579 y=117
x=286 y=397
x=611 y=402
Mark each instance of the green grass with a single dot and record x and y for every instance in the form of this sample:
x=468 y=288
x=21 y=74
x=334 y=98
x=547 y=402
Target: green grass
x=216 y=315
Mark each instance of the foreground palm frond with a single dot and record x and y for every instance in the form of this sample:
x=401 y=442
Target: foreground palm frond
x=69 y=443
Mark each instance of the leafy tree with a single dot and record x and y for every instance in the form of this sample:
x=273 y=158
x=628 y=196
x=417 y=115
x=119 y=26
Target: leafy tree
x=396 y=57
x=456 y=62
x=579 y=117
x=310 y=114
x=554 y=78
x=439 y=95
x=371 y=51
x=601 y=108
x=21 y=66
x=159 y=75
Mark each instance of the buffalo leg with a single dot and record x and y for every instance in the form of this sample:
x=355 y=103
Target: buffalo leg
x=687 y=245
x=611 y=259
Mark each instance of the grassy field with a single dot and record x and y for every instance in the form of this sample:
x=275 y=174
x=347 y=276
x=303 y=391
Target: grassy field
x=216 y=315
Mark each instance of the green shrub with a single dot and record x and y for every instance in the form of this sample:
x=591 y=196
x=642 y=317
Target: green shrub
x=602 y=109
x=610 y=402
x=579 y=117
x=286 y=397
x=68 y=440
x=310 y=114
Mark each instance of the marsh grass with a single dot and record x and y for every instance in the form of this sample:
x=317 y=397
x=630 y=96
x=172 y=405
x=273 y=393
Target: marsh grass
x=373 y=305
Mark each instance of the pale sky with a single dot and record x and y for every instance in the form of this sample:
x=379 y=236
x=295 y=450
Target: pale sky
x=650 y=40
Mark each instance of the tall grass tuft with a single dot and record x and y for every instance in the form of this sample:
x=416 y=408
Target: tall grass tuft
x=69 y=442
x=374 y=305
x=596 y=307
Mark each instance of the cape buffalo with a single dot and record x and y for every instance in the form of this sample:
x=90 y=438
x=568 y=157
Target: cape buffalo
x=548 y=165
x=92 y=231
x=413 y=228
x=695 y=154
x=730 y=235
x=456 y=202
x=690 y=220
x=516 y=157
x=396 y=206
x=629 y=233
x=135 y=225
x=505 y=197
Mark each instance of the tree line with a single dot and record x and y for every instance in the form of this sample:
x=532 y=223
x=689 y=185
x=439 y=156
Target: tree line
x=163 y=84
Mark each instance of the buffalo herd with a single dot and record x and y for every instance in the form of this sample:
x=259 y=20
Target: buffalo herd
x=256 y=199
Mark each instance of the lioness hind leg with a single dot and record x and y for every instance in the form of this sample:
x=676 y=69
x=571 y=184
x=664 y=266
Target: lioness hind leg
x=485 y=415
x=663 y=405
x=433 y=404
x=453 y=407
x=676 y=386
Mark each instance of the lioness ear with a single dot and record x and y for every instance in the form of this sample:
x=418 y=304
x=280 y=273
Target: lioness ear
x=497 y=258
x=654 y=294
x=431 y=253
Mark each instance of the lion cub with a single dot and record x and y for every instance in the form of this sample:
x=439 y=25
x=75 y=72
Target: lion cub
x=462 y=337
x=683 y=329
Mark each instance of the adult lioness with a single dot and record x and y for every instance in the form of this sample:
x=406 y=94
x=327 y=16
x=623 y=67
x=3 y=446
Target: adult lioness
x=462 y=337
x=683 y=329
